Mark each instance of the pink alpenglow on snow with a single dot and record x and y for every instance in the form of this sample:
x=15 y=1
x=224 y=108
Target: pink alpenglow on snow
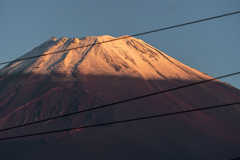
x=88 y=77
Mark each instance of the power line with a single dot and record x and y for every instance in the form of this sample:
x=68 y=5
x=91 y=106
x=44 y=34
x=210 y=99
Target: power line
x=134 y=35
x=119 y=102
x=128 y=99
x=123 y=121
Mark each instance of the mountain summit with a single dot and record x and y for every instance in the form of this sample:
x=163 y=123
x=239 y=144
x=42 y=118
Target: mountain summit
x=86 y=76
x=125 y=57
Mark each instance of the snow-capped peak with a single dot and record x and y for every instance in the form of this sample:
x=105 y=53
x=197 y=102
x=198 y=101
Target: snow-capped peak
x=124 y=57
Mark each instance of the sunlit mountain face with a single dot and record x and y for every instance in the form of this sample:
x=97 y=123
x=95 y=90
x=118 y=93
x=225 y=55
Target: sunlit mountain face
x=88 y=77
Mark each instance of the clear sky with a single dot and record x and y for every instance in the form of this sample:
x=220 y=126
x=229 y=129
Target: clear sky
x=212 y=47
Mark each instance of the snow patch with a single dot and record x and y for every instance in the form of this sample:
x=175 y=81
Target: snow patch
x=127 y=56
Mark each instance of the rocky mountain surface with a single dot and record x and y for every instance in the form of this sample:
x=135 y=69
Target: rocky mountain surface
x=99 y=74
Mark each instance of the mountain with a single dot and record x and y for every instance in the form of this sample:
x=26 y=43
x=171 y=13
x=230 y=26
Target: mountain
x=88 y=77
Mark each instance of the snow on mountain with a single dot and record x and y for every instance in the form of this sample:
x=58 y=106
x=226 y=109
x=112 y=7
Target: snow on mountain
x=88 y=77
x=125 y=57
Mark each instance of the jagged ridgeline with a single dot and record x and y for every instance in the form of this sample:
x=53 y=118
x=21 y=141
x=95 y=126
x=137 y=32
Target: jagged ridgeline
x=125 y=57
x=88 y=77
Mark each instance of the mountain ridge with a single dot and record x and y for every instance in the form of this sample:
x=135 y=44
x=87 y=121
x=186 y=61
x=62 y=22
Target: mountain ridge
x=84 y=78
x=125 y=57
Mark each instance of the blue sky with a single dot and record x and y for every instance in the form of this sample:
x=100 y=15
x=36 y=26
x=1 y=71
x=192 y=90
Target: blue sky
x=211 y=47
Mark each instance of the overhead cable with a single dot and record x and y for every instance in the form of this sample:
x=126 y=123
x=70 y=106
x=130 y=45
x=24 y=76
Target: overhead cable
x=119 y=102
x=117 y=122
x=134 y=35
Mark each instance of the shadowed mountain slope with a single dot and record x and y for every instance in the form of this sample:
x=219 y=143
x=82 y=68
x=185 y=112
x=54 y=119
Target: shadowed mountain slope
x=92 y=76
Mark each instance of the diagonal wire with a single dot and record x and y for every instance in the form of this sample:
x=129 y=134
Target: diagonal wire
x=117 y=122
x=134 y=35
x=119 y=102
